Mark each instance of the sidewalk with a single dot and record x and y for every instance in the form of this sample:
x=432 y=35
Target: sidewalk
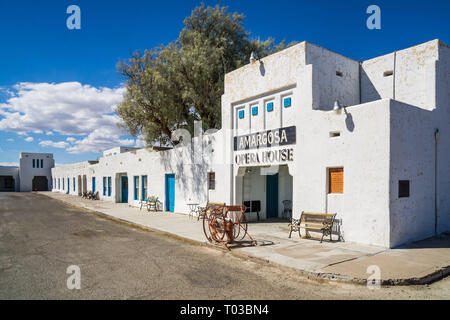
x=419 y=263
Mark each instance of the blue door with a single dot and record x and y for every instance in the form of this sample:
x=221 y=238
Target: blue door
x=170 y=192
x=68 y=185
x=272 y=195
x=124 y=189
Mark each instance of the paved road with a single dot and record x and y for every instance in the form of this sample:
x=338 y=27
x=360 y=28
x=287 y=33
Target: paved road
x=40 y=237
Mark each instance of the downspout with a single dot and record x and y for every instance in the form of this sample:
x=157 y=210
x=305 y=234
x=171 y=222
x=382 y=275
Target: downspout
x=436 y=138
x=360 y=67
x=393 y=75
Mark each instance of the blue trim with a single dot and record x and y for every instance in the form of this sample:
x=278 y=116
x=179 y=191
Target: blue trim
x=144 y=188
x=272 y=196
x=136 y=187
x=255 y=111
x=170 y=192
x=269 y=107
x=109 y=186
x=241 y=114
x=287 y=102
x=93 y=184
x=124 y=182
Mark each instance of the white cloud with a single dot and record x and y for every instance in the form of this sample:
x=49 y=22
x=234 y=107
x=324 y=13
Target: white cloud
x=67 y=108
x=48 y=143
x=10 y=140
x=29 y=139
x=98 y=141
x=9 y=164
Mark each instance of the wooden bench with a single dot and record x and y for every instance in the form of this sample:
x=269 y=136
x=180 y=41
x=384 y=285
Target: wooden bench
x=201 y=211
x=320 y=222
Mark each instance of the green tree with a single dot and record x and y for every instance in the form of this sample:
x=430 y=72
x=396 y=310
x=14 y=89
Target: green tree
x=171 y=86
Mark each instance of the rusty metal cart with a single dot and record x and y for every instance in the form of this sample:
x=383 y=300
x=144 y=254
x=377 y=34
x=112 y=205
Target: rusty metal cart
x=225 y=224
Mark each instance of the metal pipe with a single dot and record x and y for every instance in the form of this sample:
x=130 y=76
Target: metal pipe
x=436 y=138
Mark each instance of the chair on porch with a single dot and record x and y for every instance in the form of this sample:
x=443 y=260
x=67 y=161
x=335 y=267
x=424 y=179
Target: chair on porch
x=287 y=210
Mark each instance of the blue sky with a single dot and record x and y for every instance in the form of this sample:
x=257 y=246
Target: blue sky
x=52 y=79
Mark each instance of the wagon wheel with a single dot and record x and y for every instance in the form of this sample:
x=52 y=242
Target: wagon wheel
x=216 y=225
x=206 y=226
x=243 y=224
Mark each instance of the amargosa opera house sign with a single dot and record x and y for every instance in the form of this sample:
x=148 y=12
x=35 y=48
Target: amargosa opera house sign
x=265 y=139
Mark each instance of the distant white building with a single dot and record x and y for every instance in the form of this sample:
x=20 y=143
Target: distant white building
x=33 y=174
x=368 y=140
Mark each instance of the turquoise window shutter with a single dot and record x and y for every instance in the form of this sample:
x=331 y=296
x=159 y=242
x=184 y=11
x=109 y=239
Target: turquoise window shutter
x=270 y=107
x=255 y=111
x=287 y=102
x=241 y=114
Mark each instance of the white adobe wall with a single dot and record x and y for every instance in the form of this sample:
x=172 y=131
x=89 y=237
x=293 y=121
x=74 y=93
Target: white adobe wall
x=327 y=86
x=362 y=149
x=413 y=73
x=27 y=172
x=190 y=175
x=442 y=118
x=412 y=158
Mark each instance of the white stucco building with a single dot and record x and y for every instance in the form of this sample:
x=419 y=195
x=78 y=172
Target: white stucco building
x=381 y=161
x=33 y=173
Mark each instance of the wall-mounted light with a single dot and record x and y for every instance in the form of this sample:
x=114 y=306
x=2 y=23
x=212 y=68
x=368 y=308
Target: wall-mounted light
x=252 y=57
x=337 y=108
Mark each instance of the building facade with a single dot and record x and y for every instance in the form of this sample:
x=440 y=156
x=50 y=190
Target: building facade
x=34 y=173
x=368 y=140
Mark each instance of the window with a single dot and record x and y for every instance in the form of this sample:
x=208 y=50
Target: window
x=93 y=184
x=339 y=73
x=73 y=184
x=136 y=188
x=34 y=163
x=59 y=184
x=109 y=186
x=388 y=73
x=334 y=134
x=144 y=188
x=241 y=114
x=287 y=102
x=63 y=184
x=211 y=180
x=336 y=180
x=42 y=163
x=255 y=111
x=269 y=106
x=104 y=186
x=403 y=188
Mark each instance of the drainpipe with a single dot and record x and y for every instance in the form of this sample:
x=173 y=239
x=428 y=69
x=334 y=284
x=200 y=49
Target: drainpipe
x=360 y=67
x=393 y=75
x=436 y=138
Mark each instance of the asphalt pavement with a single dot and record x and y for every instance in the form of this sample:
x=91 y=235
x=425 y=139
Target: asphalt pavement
x=42 y=238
